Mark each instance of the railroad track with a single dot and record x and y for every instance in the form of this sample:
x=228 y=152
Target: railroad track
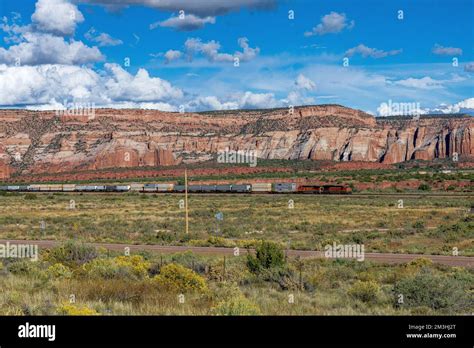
x=390 y=258
x=353 y=195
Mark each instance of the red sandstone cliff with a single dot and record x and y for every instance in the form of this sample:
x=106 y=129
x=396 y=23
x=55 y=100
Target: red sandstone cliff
x=41 y=142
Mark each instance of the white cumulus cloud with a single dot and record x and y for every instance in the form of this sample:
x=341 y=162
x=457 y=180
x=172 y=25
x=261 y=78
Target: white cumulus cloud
x=42 y=84
x=302 y=82
x=171 y=55
x=59 y=17
x=42 y=48
x=211 y=50
x=331 y=23
x=464 y=106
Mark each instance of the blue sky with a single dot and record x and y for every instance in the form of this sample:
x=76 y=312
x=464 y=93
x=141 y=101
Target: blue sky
x=183 y=53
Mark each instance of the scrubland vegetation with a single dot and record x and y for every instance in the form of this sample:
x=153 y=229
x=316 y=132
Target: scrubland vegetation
x=75 y=279
x=426 y=225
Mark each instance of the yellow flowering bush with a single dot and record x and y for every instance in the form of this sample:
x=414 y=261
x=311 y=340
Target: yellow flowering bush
x=58 y=270
x=134 y=267
x=366 y=291
x=181 y=279
x=70 y=309
x=236 y=306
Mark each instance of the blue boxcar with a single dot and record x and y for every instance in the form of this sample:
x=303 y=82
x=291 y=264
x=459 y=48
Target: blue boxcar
x=194 y=188
x=284 y=187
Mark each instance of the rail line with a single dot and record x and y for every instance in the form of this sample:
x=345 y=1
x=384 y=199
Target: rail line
x=276 y=194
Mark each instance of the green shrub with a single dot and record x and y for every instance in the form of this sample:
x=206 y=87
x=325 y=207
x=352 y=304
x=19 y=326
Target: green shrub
x=181 y=279
x=236 y=306
x=419 y=263
x=419 y=225
x=463 y=229
x=72 y=253
x=23 y=267
x=58 y=270
x=366 y=291
x=129 y=267
x=436 y=292
x=231 y=301
x=284 y=277
x=114 y=290
x=30 y=196
x=424 y=187
x=268 y=255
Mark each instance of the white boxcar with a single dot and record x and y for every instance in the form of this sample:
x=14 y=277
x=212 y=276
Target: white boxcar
x=55 y=187
x=164 y=187
x=262 y=187
x=34 y=187
x=69 y=187
x=136 y=187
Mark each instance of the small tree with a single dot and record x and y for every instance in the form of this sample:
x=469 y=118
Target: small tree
x=268 y=255
x=424 y=187
x=426 y=289
x=366 y=291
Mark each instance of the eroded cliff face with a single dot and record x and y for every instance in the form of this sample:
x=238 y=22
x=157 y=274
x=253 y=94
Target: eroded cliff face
x=42 y=142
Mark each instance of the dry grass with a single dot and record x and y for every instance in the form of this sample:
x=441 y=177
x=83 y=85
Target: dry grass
x=312 y=223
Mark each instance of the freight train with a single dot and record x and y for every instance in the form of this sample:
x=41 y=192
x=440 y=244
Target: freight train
x=287 y=187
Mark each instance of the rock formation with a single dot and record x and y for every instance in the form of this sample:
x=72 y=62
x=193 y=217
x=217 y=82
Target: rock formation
x=43 y=142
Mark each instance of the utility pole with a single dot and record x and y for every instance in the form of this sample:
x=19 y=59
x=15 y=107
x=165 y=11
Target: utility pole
x=186 y=198
x=224 y=267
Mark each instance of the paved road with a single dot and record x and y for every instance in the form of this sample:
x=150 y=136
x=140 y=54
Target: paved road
x=463 y=261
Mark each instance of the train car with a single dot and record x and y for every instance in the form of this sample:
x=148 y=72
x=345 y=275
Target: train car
x=23 y=188
x=3 y=188
x=310 y=188
x=285 y=187
x=164 y=187
x=324 y=189
x=150 y=187
x=194 y=188
x=261 y=187
x=100 y=188
x=208 y=188
x=43 y=187
x=178 y=188
x=55 y=188
x=90 y=188
x=122 y=188
x=34 y=188
x=69 y=187
x=337 y=189
x=241 y=188
x=136 y=187
x=223 y=188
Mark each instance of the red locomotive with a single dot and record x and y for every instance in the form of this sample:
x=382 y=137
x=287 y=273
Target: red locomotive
x=324 y=189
